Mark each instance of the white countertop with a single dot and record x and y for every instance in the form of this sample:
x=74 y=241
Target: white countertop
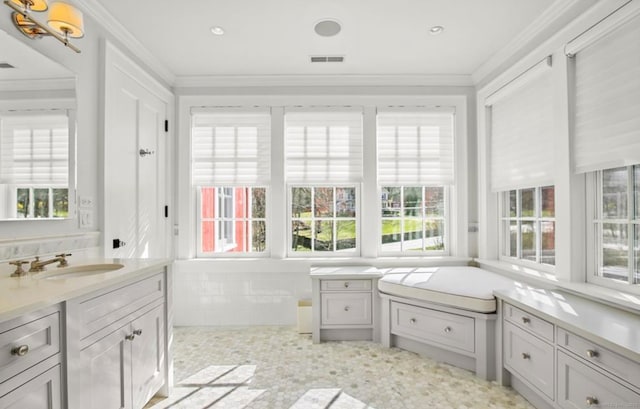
x=21 y=295
x=345 y=272
x=613 y=328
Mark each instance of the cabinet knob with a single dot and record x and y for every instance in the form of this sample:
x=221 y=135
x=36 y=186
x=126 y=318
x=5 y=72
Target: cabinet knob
x=592 y=353
x=346 y=284
x=447 y=329
x=347 y=308
x=526 y=355
x=22 y=350
x=412 y=320
x=137 y=332
x=130 y=337
x=591 y=400
x=526 y=320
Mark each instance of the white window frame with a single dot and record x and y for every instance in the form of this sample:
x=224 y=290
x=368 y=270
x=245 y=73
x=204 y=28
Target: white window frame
x=315 y=253
x=446 y=220
x=503 y=230
x=594 y=240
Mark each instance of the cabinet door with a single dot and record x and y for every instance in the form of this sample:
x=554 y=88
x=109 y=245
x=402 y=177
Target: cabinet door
x=106 y=373
x=41 y=392
x=147 y=356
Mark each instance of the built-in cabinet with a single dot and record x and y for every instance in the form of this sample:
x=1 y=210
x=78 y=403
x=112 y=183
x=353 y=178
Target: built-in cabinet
x=582 y=354
x=31 y=361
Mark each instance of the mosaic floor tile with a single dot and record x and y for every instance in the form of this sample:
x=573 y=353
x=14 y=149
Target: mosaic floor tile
x=276 y=368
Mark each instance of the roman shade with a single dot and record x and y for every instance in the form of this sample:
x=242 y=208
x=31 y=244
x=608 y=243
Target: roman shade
x=323 y=146
x=522 y=131
x=416 y=147
x=34 y=149
x=607 y=95
x=230 y=147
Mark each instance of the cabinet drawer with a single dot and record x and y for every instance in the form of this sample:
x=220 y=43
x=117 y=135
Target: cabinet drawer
x=448 y=330
x=42 y=392
x=580 y=386
x=98 y=311
x=528 y=321
x=529 y=357
x=346 y=309
x=345 y=285
x=602 y=357
x=24 y=346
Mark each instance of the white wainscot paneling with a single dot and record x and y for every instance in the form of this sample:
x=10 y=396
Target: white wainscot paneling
x=210 y=297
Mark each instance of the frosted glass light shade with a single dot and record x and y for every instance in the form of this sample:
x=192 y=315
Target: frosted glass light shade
x=65 y=18
x=34 y=5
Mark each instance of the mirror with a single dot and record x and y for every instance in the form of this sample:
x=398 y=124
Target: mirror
x=37 y=134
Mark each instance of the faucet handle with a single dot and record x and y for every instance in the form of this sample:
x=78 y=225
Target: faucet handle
x=19 y=271
x=63 y=255
x=63 y=261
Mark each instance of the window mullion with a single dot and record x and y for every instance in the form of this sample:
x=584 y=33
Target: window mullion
x=630 y=226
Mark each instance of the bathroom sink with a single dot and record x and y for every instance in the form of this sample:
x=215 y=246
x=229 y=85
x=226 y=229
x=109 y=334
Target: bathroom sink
x=80 y=271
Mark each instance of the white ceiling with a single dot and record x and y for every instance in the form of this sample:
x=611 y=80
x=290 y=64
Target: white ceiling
x=378 y=37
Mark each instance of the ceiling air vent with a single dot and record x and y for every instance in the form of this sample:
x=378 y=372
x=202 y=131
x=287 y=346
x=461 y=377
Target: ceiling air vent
x=327 y=58
x=6 y=65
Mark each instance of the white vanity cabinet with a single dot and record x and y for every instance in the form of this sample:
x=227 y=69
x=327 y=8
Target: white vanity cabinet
x=117 y=338
x=30 y=361
x=345 y=303
x=567 y=352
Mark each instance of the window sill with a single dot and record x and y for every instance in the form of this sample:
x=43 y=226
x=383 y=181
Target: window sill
x=616 y=298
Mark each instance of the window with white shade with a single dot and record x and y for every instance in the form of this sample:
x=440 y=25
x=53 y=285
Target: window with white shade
x=230 y=172
x=323 y=169
x=522 y=137
x=606 y=72
x=34 y=163
x=415 y=172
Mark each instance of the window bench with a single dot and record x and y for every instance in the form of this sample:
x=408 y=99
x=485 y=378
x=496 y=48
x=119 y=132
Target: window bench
x=447 y=313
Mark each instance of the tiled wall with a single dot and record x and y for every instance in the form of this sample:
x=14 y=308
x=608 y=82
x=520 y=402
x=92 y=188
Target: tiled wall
x=26 y=248
x=207 y=294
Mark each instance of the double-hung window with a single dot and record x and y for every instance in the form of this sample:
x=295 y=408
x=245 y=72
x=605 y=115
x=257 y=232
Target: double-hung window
x=522 y=165
x=230 y=173
x=415 y=174
x=34 y=164
x=606 y=67
x=323 y=171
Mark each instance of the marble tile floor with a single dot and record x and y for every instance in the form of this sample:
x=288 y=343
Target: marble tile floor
x=277 y=368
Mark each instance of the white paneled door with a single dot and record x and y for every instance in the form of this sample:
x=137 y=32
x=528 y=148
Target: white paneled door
x=135 y=141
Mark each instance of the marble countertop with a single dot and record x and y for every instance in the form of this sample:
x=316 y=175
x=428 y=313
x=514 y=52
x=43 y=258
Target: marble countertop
x=345 y=272
x=21 y=295
x=613 y=328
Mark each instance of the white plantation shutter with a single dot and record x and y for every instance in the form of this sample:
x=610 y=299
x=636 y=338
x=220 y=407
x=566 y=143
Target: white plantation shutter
x=34 y=149
x=522 y=131
x=230 y=148
x=416 y=147
x=607 y=94
x=323 y=147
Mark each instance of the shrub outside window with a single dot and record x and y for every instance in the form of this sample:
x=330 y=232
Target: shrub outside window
x=323 y=219
x=413 y=219
x=528 y=224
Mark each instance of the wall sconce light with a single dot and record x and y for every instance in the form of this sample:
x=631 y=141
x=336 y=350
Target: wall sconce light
x=64 y=20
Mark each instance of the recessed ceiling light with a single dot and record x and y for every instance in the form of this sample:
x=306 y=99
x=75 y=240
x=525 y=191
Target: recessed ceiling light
x=436 y=30
x=327 y=28
x=217 y=30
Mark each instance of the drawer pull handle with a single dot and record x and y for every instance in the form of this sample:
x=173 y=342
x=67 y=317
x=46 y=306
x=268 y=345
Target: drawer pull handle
x=591 y=353
x=412 y=320
x=130 y=337
x=447 y=329
x=137 y=332
x=591 y=400
x=526 y=355
x=526 y=320
x=347 y=308
x=346 y=284
x=22 y=350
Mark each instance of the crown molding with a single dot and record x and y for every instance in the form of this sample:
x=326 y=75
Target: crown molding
x=95 y=9
x=523 y=41
x=322 y=80
x=39 y=84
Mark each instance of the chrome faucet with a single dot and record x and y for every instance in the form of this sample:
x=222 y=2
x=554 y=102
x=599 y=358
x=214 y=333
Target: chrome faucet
x=37 y=265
